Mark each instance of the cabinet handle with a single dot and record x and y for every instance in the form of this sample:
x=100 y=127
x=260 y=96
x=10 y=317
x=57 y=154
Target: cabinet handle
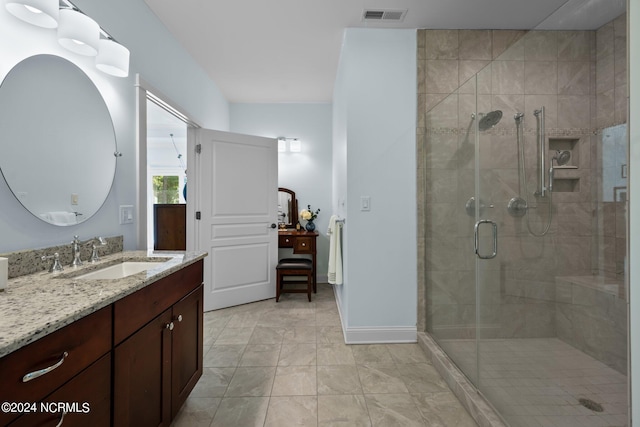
x=169 y=326
x=35 y=374
x=179 y=318
x=61 y=419
x=304 y=244
x=286 y=240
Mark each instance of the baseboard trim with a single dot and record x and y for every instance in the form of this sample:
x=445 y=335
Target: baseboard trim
x=380 y=335
x=377 y=334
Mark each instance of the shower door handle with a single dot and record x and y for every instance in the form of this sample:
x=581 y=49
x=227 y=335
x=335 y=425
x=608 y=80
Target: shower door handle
x=477 y=238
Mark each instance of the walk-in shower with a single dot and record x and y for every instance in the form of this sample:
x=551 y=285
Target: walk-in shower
x=530 y=307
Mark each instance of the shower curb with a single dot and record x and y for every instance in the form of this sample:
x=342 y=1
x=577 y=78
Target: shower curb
x=477 y=406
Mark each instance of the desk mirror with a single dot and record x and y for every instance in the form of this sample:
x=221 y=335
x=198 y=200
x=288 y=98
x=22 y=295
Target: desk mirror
x=58 y=142
x=287 y=208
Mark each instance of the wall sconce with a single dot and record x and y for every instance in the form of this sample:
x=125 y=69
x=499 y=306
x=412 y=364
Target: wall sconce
x=77 y=32
x=295 y=146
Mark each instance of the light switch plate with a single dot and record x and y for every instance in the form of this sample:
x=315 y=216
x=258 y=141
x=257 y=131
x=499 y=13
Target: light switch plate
x=126 y=214
x=365 y=203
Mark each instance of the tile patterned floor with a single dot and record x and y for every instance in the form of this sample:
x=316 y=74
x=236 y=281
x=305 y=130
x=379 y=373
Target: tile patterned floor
x=537 y=382
x=285 y=364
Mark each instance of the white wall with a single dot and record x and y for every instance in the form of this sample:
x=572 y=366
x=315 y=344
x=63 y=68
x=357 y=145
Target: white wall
x=634 y=202
x=375 y=120
x=339 y=189
x=159 y=59
x=308 y=173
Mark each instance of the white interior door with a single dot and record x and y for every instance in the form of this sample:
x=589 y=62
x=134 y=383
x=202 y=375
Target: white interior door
x=236 y=180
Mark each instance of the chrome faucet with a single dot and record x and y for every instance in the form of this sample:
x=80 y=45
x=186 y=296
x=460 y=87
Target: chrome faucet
x=76 y=252
x=55 y=266
x=94 y=248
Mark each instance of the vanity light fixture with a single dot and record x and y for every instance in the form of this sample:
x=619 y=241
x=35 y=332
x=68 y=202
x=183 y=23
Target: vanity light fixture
x=294 y=145
x=78 y=33
x=42 y=13
x=112 y=58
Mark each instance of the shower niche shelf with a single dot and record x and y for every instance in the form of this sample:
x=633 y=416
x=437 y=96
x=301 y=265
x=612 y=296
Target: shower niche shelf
x=565 y=180
x=566 y=185
x=572 y=145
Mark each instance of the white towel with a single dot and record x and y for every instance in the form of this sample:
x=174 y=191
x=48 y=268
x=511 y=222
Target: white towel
x=335 y=251
x=61 y=218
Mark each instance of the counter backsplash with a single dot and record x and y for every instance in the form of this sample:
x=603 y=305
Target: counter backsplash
x=30 y=261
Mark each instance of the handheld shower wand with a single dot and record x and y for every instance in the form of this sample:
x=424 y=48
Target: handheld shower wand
x=562 y=158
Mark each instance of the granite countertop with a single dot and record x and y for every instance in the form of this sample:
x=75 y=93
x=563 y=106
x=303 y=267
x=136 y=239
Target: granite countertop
x=36 y=305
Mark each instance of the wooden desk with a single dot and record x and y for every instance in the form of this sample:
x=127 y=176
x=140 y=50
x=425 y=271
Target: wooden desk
x=302 y=242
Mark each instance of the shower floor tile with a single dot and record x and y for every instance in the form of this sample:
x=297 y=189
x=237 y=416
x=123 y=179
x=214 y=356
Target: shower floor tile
x=538 y=382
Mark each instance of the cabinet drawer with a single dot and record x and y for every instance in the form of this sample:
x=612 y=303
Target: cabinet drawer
x=89 y=394
x=304 y=245
x=285 y=241
x=84 y=341
x=134 y=311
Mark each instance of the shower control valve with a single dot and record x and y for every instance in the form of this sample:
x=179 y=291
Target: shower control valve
x=517 y=207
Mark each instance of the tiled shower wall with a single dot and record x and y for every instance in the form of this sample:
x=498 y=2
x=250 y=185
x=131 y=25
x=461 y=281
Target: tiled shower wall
x=577 y=76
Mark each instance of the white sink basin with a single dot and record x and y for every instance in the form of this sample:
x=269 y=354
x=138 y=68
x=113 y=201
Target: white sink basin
x=119 y=271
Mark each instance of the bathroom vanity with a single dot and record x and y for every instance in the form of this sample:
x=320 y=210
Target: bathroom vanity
x=100 y=352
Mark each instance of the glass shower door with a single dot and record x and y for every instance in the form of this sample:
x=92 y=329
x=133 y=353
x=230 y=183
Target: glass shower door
x=492 y=190
x=450 y=159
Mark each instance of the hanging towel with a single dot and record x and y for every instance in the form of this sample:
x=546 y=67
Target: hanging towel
x=60 y=217
x=335 y=251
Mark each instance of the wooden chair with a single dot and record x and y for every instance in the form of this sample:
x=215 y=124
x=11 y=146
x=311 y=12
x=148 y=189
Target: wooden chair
x=298 y=267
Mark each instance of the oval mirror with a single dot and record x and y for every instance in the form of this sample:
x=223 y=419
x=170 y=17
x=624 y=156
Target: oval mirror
x=58 y=142
x=287 y=208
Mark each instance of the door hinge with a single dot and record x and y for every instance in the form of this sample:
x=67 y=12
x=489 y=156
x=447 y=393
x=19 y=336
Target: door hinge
x=198 y=148
x=198 y=215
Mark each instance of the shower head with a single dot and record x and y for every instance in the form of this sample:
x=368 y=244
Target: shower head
x=562 y=157
x=489 y=120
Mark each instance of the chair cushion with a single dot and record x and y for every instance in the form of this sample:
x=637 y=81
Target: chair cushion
x=293 y=266
x=296 y=260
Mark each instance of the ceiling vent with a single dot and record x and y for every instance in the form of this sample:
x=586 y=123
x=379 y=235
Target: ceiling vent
x=384 y=15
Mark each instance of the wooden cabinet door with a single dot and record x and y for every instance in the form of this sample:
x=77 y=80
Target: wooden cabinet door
x=142 y=376
x=88 y=396
x=186 y=348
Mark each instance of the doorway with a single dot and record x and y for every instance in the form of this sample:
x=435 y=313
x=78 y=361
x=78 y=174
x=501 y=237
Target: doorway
x=166 y=178
x=161 y=153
